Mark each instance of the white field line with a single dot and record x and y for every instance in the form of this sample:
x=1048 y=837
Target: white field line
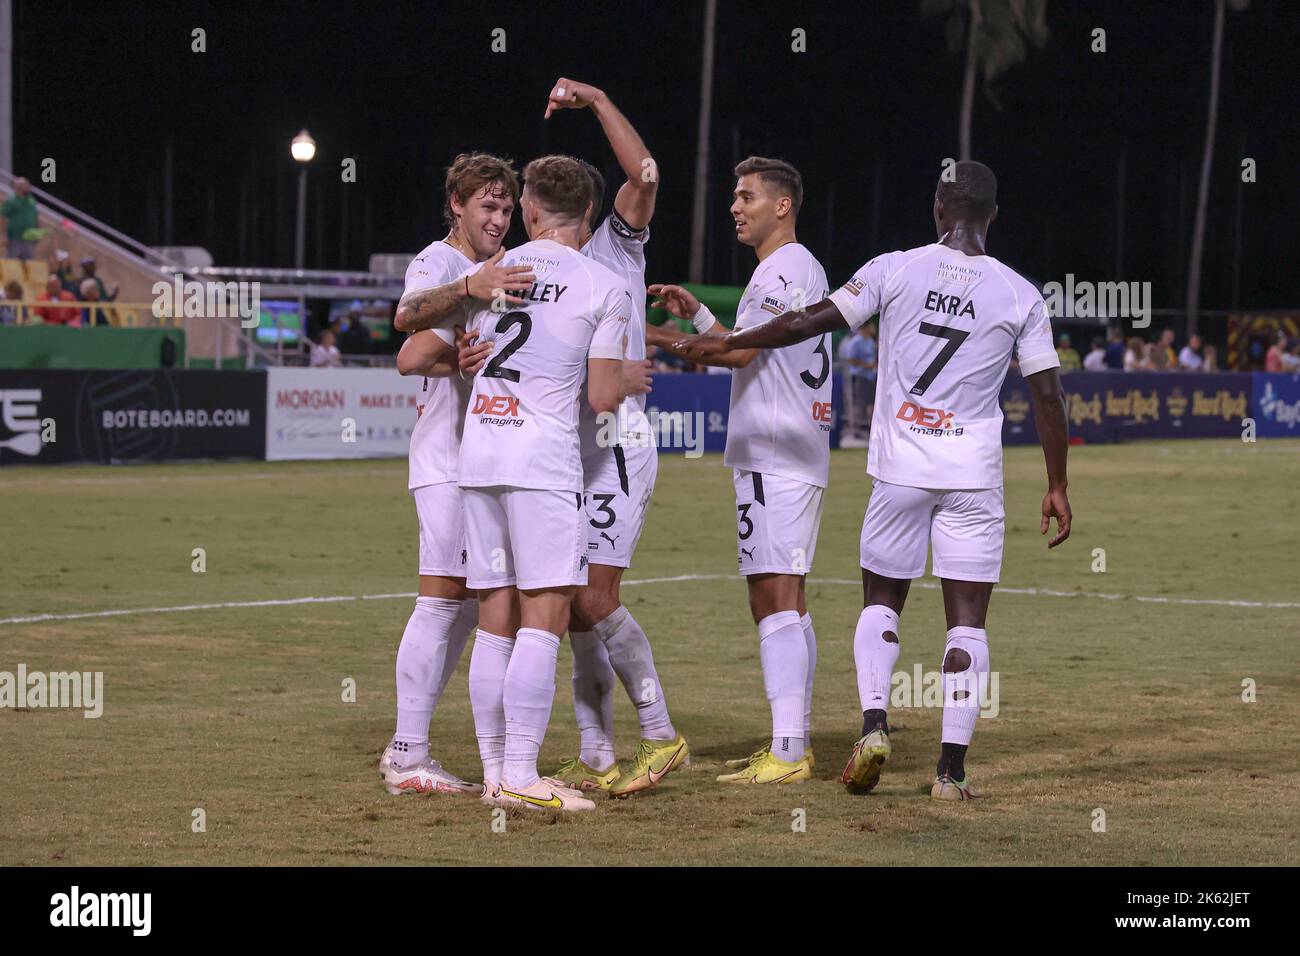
x=334 y=599
x=285 y=475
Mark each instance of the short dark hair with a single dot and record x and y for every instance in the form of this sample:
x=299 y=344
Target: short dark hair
x=470 y=172
x=971 y=193
x=778 y=173
x=597 y=192
x=560 y=184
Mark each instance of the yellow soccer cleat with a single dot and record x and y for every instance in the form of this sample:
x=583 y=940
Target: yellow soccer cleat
x=575 y=774
x=862 y=772
x=746 y=761
x=946 y=788
x=653 y=761
x=765 y=768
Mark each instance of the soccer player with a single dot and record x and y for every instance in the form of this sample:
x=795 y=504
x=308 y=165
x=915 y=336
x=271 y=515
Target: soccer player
x=521 y=476
x=951 y=318
x=481 y=191
x=778 y=445
x=619 y=468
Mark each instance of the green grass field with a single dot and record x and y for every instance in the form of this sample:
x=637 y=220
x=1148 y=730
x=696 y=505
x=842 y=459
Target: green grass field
x=1131 y=706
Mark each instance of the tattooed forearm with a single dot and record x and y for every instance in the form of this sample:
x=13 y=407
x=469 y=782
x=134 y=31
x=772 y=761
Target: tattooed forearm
x=423 y=310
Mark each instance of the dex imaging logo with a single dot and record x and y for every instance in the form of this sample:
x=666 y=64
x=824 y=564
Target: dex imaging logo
x=18 y=411
x=75 y=908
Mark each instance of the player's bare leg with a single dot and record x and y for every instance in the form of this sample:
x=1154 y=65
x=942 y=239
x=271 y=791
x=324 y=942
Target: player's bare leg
x=965 y=682
x=432 y=643
x=608 y=642
x=774 y=602
x=875 y=651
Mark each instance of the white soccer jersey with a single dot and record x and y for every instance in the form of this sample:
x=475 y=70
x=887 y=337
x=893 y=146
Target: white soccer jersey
x=435 y=440
x=521 y=426
x=949 y=324
x=780 y=420
x=621 y=248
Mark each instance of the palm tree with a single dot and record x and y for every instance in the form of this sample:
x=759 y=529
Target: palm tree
x=1207 y=159
x=995 y=35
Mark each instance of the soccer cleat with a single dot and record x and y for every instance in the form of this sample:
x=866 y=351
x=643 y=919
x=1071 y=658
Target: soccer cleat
x=653 y=761
x=576 y=775
x=946 y=788
x=427 y=776
x=765 y=768
x=862 y=772
x=746 y=761
x=546 y=793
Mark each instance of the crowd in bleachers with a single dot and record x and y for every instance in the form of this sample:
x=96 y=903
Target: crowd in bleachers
x=72 y=293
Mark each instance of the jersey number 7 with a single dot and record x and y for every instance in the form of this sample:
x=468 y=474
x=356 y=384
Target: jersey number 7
x=955 y=338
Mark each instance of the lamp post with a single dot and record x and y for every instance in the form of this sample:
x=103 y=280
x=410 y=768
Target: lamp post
x=303 y=149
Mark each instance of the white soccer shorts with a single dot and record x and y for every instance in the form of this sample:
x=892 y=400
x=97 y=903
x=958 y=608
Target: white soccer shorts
x=776 y=523
x=525 y=538
x=964 y=528
x=619 y=484
x=441 y=513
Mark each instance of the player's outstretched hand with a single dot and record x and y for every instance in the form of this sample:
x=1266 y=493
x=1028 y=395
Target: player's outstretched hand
x=675 y=299
x=636 y=376
x=569 y=94
x=473 y=354
x=1056 y=505
x=493 y=280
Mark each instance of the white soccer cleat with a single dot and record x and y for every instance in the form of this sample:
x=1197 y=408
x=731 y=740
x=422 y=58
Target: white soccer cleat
x=427 y=776
x=545 y=794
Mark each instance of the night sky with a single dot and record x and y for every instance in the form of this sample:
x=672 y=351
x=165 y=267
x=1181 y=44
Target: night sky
x=867 y=114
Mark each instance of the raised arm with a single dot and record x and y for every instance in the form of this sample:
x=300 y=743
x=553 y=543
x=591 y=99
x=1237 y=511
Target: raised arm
x=1054 y=435
x=428 y=353
x=635 y=202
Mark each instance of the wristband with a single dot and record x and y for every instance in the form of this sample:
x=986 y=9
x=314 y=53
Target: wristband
x=703 y=320
x=467 y=295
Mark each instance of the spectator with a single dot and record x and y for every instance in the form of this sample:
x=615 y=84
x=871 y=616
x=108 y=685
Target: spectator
x=90 y=294
x=61 y=266
x=1068 y=356
x=1135 y=356
x=356 y=340
x=1170 y=358
x=1158 y=356
x=1115 y=349
x=11 y=314
x=1291 y=357
x=19 y=212
x=1095 y=361
x=1189 y=359
x=858 y=351
x=57 y=315
x=325 y=354
x=1274 y=361
x=88 y=272
x=1211 y=359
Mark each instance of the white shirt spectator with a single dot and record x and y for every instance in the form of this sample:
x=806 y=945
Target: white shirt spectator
x=1189 y=360
x=1095 y=361
x=326 y=356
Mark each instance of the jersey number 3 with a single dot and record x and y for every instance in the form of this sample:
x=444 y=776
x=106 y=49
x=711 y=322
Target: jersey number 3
x=955 y=338
x=816 y=381
x=496 y=368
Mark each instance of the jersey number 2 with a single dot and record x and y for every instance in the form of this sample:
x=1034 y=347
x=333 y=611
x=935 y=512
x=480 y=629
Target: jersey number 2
x=495 y=368
x=955 y=338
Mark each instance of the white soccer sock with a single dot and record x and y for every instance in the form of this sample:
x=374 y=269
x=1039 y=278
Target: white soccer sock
x=457 y=638
x=634 y=663
x=964 y=687
x=875 y=651
x=783 y=652
x=529 y=693
x=593 y=698
x=810 y=638
x=421 y=662
x=487 y=678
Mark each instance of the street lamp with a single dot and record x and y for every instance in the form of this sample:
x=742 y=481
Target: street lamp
x=303 y=149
